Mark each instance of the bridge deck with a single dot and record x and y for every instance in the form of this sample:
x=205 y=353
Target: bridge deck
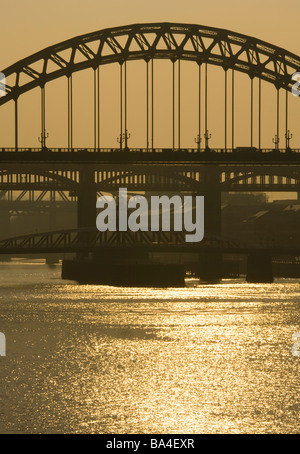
x=115 y=155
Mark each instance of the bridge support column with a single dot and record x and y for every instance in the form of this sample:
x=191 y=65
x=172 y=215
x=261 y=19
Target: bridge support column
x=259 y=268
x=5 y=225
x=212 y=200
x=52 y=259
x=210 y=263
x=86 y=203
x=5 y=232
x=210 y=266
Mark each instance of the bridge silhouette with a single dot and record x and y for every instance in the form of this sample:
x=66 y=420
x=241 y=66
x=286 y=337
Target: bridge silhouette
x=83 y=173
x=91 y=240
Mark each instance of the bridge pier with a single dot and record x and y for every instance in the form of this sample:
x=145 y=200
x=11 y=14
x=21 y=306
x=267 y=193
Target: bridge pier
x=86 y=203
x=86 y=218
x=5 y=230
x=125 y=274
x=116 y=267
x=52 y=259
x=210 y=264
x=259 y=268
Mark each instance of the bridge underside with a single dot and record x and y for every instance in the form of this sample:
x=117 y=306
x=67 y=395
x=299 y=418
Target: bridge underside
x=190 y=177
x=75 y=181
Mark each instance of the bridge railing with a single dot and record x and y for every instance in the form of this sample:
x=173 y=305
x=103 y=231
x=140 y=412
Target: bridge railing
x=238 y=150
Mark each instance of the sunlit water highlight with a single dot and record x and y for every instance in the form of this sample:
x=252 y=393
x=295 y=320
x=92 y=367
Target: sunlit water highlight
x=97 y=359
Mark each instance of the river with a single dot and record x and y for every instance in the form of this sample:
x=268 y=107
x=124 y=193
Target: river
x=99 y=359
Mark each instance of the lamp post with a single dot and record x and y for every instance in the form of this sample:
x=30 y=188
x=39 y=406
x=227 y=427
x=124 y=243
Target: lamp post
x=288 y=137
x=43 y=138
x=120 y=140
x=276 y=141
x=127 y=136
x=207 y=137
x=123 y=138
x=198 y=141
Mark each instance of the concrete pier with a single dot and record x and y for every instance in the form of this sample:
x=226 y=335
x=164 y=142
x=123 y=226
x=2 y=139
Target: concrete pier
x=86 y=203
x=124 y=274
x=210 y=267
x=210 y=264
x=259 y=269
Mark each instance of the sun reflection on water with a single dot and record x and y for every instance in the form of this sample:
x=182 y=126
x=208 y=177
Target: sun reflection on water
x=97 y=359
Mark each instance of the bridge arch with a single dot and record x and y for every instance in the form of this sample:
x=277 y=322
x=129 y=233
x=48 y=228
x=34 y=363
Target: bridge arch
x=178 y=180
x=229 y=183
x=191 y=180
x=49 y=176
x=171 y=41
x=184 y=180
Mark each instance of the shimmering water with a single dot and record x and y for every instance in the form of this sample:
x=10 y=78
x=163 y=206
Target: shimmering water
x=96 y=359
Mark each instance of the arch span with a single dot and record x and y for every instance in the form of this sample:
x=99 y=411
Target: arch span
x=172 y=41
x=242 y=177
x=45 y=176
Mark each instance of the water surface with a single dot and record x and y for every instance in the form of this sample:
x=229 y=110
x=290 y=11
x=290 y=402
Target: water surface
x=99 y=359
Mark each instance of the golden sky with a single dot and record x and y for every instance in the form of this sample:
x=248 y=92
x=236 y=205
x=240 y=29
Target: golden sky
x=31 y=25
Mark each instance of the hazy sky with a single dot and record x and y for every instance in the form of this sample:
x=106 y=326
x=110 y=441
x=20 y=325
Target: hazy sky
x=28 y=26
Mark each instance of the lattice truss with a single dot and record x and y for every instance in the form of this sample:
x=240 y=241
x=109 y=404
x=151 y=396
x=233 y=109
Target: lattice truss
x=75 y=239
x=153 y=41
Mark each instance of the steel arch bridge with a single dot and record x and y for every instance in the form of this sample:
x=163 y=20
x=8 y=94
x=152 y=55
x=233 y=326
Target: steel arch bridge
x=159 y=40
x=60 y=169
x=175 y=42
